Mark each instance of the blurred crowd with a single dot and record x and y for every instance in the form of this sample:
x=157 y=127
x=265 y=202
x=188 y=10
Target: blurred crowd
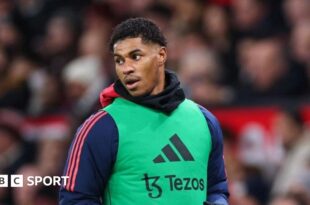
x=54 y=62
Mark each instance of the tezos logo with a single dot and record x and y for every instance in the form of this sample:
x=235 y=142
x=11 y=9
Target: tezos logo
x=174 y=183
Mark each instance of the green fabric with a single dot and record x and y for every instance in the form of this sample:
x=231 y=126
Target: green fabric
x=145 y=137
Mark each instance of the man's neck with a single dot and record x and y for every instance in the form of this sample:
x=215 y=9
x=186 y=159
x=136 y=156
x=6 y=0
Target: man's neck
x=161 y=83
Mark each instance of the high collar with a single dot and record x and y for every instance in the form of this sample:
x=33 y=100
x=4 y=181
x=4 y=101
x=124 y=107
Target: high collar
x=166 y=101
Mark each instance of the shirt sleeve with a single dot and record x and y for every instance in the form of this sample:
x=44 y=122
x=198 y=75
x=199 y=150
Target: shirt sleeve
x=90 y=160
x=217 y=180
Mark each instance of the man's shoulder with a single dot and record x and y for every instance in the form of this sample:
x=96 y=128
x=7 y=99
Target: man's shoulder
x=97 y=124
x=209 y=116
x=206 y=113
x=95 y=118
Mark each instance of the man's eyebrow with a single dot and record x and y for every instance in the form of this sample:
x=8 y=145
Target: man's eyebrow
x=130 y=53
x=116 y=55
x=134 y=51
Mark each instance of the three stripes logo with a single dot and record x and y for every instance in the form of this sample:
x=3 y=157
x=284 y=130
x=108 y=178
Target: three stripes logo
x=171 y=154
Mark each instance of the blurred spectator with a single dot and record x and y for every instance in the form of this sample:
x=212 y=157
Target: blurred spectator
x=174 y=48
x=14 y=152
x=49 y=132
x=251 y=18
x=83 y=81
x=252 y=141
x=217 y=29
x=293 y=174
x=232 y=165
x=15 y=86
x=31 y=17
x=200 y=73
x=266 y=73
x=290 y=199
x=248 y=13
x=253 y=163
x=59 y=43
x=300 y=43
x=46 y=94
x=6 y=7
x=296 y=11
x=289 y=128
x=92 y=43
x=161 y=14
x=10 y=38
x=186 y=16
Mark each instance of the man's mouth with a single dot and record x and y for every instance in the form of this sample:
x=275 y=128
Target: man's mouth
x=131 y=83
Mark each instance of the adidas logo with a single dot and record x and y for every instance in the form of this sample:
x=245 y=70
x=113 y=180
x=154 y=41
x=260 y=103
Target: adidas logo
x=170 y=153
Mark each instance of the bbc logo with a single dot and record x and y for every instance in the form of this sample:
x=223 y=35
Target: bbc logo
x=15 y=180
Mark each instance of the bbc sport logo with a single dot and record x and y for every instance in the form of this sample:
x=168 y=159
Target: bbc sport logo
x=19 y=180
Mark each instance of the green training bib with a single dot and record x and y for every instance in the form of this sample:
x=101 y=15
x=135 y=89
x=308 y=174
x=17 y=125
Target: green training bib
x=162 y=159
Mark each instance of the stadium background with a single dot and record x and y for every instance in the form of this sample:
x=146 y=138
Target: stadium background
x=248 y=61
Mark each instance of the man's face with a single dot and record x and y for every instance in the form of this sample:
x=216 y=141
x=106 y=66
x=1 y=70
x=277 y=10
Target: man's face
x=140 y=66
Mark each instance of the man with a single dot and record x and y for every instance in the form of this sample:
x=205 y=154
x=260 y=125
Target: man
x=148 y=145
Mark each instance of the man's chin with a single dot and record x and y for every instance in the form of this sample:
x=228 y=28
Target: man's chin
x=134 y=92
x=137 y=93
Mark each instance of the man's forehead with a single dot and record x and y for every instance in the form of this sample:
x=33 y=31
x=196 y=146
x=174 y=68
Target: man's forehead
x=129 y=44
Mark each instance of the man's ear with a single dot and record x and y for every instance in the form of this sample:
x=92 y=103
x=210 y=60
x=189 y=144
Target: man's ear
x=162 y=56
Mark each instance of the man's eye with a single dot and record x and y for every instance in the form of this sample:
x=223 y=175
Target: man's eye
x=119 y=61
x=136 y=57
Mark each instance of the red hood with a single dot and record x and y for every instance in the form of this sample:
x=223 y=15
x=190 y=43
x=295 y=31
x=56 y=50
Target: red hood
x=108 y=95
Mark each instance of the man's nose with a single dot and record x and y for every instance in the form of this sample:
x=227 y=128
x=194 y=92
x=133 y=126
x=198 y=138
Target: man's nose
x=128 y=68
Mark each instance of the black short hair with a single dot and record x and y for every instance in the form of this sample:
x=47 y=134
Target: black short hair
x=137 y=27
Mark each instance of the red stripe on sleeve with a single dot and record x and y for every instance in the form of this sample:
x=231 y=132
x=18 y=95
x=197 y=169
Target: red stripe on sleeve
x=77 y=147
